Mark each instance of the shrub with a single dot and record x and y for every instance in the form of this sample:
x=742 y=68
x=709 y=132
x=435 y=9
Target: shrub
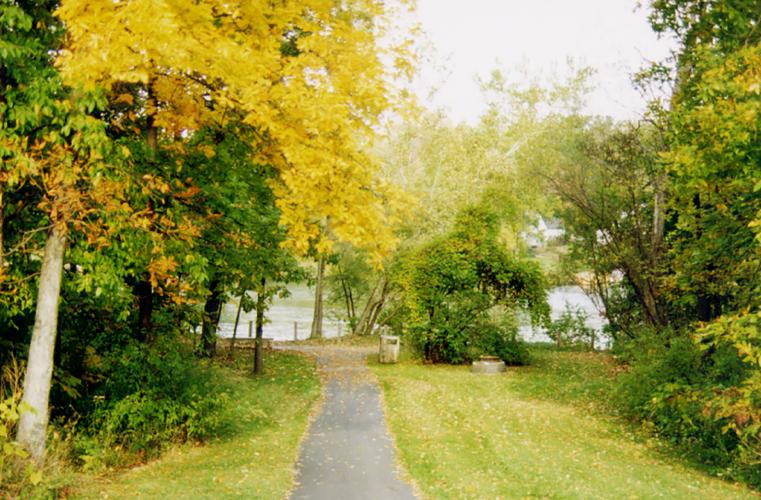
x=150 y=398
x=18 y=474
x=491 y=339
x=699 y=394
x=571 y=329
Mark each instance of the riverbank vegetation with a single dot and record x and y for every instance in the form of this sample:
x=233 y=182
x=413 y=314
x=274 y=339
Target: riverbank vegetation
x=661 y=216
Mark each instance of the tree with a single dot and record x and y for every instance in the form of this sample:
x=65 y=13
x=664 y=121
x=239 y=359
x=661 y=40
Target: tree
x=698 y=383
x=172 y=70
x=348 y=281
x=452 y=283
x=605 y=178
x=49 y=139
x=307 y=77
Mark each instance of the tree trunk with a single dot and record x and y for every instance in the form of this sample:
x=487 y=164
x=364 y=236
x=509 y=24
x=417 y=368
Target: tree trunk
x=351 y=313
x=373 y=308
x=260 y=303
x=143 y=288
x=352 y=308
x=32 y=426
x=237 y=319
x=151 y=131
x=144 y=292
x=318 y=292
x=644 y=289
x=211 y=313
x=658 y=215
x=152 y=137
x=365 y=317
x=346 y=292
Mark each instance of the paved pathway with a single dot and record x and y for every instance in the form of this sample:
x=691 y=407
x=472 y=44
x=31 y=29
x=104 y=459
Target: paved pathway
x=348 y=453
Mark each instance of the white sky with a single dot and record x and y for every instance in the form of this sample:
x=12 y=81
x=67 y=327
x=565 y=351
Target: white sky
x=473 y=37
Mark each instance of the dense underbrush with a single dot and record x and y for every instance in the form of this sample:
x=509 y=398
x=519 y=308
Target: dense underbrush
x=134 y=401
x=702 y=395
x=147 y=398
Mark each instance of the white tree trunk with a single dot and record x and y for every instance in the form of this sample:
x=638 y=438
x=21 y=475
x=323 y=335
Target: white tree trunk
x=32 y=427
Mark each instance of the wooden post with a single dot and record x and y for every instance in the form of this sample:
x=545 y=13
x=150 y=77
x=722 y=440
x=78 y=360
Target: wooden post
x=250 y=328
x=295 y=330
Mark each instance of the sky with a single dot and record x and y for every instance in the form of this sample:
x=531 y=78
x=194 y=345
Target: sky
x=467 y=38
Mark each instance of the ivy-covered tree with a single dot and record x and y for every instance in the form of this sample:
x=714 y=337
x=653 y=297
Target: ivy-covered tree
x=450 y=285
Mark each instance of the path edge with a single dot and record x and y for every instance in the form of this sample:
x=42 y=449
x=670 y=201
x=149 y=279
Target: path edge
x=314 y=412
x=399 y=466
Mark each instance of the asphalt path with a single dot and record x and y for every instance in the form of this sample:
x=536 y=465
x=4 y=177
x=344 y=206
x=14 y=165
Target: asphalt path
x=348 y=452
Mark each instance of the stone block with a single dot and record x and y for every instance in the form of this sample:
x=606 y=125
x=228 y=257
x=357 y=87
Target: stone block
x=389 y=349
x=488 y=365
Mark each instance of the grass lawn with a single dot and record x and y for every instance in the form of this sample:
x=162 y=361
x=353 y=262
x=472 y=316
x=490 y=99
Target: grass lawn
x=533 y=432
x=253 y=456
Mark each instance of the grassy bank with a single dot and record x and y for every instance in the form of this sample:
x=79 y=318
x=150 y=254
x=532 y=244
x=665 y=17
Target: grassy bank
x=536 y=431
x=253 y=455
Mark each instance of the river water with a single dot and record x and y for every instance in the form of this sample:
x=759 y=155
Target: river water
x=570 y=297
x=293 y=315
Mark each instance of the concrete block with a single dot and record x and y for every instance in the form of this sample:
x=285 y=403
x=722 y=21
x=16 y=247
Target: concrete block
x=488 y=365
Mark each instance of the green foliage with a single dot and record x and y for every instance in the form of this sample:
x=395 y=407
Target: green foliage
x=571 y=329
x=261 y=426
x=698 y=382
x=450 y=285
x=699 y=396
x=148 y=398
x=605 y=177
x=19 y=475
x=497 y=338
x=737 y=403
x=715 y=166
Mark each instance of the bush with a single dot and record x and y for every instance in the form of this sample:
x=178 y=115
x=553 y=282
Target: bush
x=571 y=329
x=151 y=397
x=491 y=339
x=18 y=474
x=687 y=393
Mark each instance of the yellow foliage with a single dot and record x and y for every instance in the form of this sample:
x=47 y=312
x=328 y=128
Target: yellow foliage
x=307 y=75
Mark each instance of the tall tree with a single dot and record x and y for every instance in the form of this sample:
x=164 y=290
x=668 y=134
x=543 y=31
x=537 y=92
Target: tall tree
x=50 y=140
x=307 y=76
x=714 y=160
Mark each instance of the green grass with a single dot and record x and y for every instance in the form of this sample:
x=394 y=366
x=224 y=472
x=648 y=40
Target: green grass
x=253 y=456
x=536 y=431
